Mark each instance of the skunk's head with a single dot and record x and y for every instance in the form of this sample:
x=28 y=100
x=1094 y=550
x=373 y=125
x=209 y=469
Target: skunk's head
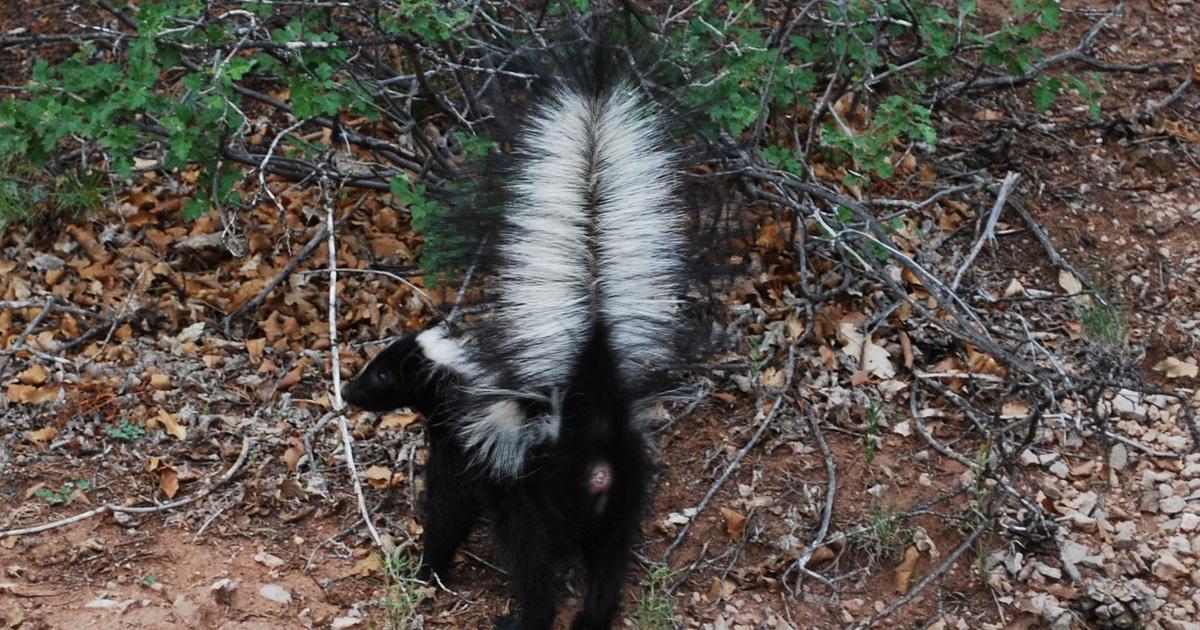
x=399 y=376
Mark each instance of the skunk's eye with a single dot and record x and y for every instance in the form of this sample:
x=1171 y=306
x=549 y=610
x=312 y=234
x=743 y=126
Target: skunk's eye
x=381 y=376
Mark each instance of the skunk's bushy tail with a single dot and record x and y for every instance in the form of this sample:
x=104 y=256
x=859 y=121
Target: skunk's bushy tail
x=593 y=236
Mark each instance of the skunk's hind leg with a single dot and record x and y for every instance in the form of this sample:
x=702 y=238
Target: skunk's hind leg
x=449 y=505
x=525 y=539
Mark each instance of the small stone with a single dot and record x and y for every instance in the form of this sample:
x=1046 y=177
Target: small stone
x=1178 y=443
x=1118 y=458
x=275 y=593
x=1172 y=505
x=1149 y=501
x=1180 y=544
x=1167 y=567
x=1060 y=470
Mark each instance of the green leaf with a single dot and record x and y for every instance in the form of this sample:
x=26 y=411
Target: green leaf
x=195 y=208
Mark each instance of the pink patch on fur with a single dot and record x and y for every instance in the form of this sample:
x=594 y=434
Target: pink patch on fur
x=600 y=478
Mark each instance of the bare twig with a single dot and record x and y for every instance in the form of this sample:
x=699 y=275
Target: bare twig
x=313 y=243
x=336 y=367
x=938 y=572
x=114 y=507
x=989 y=230
x=737 y=460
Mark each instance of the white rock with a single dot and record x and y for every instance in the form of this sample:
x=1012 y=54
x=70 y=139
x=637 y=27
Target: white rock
x=1130 y=402
x=1172 y=505
x=1167 y=567
x=275 y=593
x=1178 y=443
x=1118 y=458
x=1060 y=470
x=1180 y=544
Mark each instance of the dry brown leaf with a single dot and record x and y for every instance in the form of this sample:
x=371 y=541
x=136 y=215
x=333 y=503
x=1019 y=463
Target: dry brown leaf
x=365 y=567
x=30 y=395
x=904 y=572
x=34 y=375
x=773 y=379
x=1172 y=367
x=820 y=556
x=720 y=589
x=290 y=489
x=290 y=379
x=293 y=454
x=906 y=349
x=725 y=397
x=735 y=524
x=1016 y=408
x=980 y=363
x=161 y=382
x=771 y=236
x=170 y=424
x=714 y=590
x=1084 y=469
x=398 y=420
x=379 y=477
x=42 y=436
x=168 y=481
x=1069 y=282
x=1014 y=288
x=828 y=357
x=255 y=348
x=989 y=115
x=872 y=358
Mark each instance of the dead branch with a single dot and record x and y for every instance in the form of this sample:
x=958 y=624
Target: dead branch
x=115 y=507
x=989 y=230
x=941 y=569
x=327 y=198
x=741 y=454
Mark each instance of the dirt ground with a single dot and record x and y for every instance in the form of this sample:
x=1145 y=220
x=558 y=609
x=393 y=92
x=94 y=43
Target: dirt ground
x=238 y=426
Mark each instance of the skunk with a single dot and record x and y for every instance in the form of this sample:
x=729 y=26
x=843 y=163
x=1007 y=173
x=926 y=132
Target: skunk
x=533 y=418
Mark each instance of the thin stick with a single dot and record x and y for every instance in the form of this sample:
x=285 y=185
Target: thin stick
x=827 y=509
x=304 y=253
x=989 y=231
x=716 y=486
x=112 y=507
x=33 y=324
x=935 y=574
x=338 y=405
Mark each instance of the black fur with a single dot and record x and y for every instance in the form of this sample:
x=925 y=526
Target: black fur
x=542 y=518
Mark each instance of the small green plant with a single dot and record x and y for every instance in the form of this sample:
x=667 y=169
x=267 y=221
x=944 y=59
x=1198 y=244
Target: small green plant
x=885 y=535
x=125 y=431
x=758 y=358
x=66 y=495
x=28 y=195
x=148 y=580
x=404 y=593
x=871 y=435
x=654 y=603
x=1105 y=326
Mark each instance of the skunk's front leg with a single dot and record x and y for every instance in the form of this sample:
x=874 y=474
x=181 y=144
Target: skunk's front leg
x=450 y=504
